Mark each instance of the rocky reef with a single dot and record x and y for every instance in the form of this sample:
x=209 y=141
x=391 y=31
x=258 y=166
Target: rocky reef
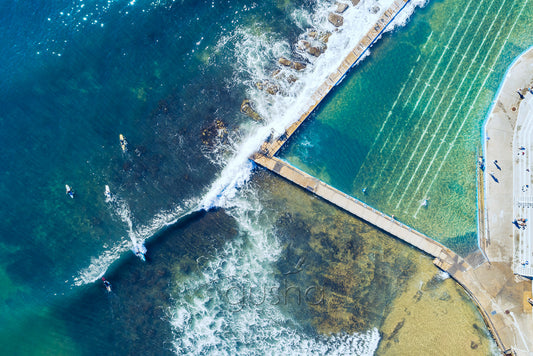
x=216 y=131
x=313 y=43
x=247 y=109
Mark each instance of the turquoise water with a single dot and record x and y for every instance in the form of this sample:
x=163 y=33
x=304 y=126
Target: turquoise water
x=171 y=77
x=406 y=125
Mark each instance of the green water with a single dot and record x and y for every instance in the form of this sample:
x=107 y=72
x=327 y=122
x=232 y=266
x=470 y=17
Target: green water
x=367 y=279
x=406 y=124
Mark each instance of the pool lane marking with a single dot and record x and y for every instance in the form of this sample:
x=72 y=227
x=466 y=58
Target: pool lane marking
x=405 y=188
x=525 y=2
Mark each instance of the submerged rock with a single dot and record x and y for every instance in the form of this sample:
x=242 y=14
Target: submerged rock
x=374 y=9
x=285 y=62
x=335 y=19
x=341 y=7
x=279 y=75
x=247 y=109
x=315 y=51
x=215 y=131
x=288 y=63
x=291 y=79
x=270 y=88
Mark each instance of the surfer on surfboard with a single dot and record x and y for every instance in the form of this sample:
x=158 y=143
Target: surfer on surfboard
x=70 y=192
x=123 y=143
x=107 y=192
x=140 y=251
x=107 y=285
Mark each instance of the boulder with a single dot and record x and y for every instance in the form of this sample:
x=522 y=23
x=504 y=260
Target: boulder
x=268 y=87
x=315 y=51
x=355 y=2
x=246 y=108
x=325 y=37
x=298 y=65
x=341 y=7
x=285 y=62
x=335 y=19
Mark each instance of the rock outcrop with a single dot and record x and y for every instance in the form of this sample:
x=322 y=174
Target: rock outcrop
x=285 y=62
x=341 y=7
x=247 y=109
x=313 y=50
x=270 y=88
x=335 y=19
x=288 y=63
x=298 y=65
x=325 y=37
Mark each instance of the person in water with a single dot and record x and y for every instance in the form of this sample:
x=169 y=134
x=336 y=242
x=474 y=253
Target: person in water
x=107 y=285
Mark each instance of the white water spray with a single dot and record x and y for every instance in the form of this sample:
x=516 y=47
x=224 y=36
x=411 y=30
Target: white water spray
x=280 y=111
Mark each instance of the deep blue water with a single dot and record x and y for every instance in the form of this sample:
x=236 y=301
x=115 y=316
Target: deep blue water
x=171 y=77
x=74 y=76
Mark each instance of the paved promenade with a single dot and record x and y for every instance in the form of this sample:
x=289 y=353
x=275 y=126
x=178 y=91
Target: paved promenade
x=523 y=188
x=505 y=294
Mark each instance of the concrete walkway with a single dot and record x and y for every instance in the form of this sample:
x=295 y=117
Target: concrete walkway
x=500 y=295
x=361 y=210
x=270 y=148
x=523 y=188
x=503 y=293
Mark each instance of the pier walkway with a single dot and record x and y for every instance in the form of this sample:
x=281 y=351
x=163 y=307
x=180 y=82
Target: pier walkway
x=270 y=148
x=501 y=296
x=361 y=210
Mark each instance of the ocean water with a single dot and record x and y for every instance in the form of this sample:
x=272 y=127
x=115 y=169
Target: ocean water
x=406 y=126
x=171 y=77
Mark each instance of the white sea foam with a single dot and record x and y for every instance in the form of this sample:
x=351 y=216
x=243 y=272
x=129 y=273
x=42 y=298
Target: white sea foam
x=136 y=237
x=205 y=318
x=255 y=54
x=223 y=308
x=99 y=265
